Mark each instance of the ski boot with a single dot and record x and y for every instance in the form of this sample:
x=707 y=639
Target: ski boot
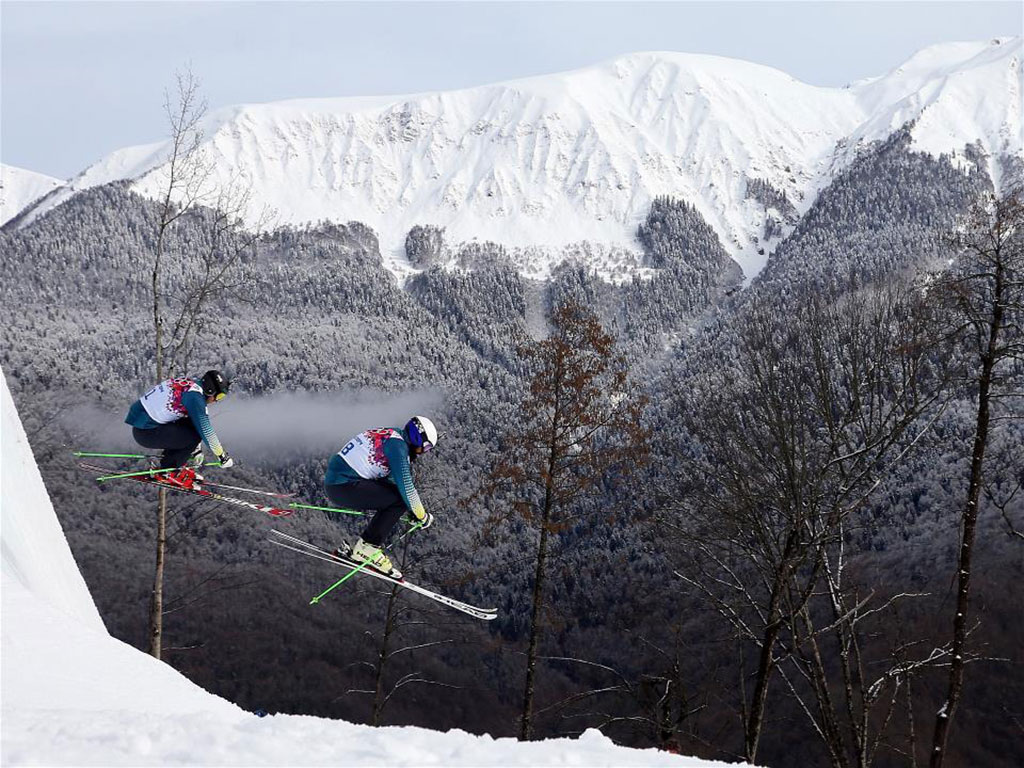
x=183 y=477
x=364 y=551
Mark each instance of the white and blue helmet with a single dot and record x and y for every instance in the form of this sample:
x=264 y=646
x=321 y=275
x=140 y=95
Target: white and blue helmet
x=420 y=432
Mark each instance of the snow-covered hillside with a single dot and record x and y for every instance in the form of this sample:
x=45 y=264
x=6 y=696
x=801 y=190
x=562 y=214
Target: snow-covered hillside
x=548 y=161
x=73 y=695
x=20 y=188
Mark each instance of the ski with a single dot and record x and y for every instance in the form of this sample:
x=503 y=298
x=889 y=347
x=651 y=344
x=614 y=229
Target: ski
x=305 y=548
x=198 y=491
x=272 y=494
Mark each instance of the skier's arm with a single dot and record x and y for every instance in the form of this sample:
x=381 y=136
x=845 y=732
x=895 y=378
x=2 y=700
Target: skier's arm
x=397 y=454
x=195 y=404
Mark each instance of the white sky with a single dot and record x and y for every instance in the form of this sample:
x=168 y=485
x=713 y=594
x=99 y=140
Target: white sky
x=81 y=79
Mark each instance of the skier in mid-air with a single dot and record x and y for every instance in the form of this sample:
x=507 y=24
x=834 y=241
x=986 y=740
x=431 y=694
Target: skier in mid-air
x=373 y=471
x=172 y=416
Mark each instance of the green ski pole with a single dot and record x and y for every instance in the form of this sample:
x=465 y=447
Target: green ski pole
x=81 y=454
x=296 y=505
x=342 y=580
x=136 y=474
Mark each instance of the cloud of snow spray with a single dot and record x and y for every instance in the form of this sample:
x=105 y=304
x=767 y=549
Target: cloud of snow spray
x=311 y=424
x=292 y=424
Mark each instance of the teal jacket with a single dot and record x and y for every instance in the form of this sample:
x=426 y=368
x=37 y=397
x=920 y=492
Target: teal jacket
x=195 y=405
x=394 y=455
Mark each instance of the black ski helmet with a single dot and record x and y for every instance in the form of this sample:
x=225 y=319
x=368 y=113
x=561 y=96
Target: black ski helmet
x=215 y=384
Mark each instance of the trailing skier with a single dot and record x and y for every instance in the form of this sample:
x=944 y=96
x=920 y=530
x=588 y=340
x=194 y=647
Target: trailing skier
x=172 y=416
x=373 y=471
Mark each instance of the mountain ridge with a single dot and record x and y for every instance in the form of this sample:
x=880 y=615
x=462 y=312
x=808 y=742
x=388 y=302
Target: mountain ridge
x=550 y=162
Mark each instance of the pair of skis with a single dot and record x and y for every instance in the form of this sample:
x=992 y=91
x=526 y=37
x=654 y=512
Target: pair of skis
x=355 y=566
x=150 y=478
x=285 y=540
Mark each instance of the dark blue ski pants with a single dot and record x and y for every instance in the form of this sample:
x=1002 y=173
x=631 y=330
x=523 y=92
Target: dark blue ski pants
x=177 y=439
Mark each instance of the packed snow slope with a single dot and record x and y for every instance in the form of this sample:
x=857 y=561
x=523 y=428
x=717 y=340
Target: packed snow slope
x=20 y=188
x=70 y=694
x=549 y=161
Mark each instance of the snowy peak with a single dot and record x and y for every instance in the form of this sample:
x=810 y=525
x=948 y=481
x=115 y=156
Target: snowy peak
x=956 y=93
x=942 y=60
x=20 y=188
x=542 y=163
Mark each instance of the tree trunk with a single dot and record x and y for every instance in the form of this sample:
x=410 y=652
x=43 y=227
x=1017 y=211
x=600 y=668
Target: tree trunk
x=765 y=666
x=156 y=605
x=158 y=329
x=526 y=731
x=944 y=717
x=379 y=699
x=766 y=662
x=818 y=677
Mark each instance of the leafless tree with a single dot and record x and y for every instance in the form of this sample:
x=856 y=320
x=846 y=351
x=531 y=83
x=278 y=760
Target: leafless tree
x=837 y=668
x=184 y=179
x=793 y=439
x=580 y=421
x=398 y=617
x=185 y=278
x=654 y=706
x=982 y=297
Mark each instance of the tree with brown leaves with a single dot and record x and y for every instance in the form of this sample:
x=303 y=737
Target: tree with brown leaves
x=580 y=425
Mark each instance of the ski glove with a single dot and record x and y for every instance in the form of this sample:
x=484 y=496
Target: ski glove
x=427 y=521
x=226 y=462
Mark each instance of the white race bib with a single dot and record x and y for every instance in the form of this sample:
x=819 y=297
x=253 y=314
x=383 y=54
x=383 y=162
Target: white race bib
x=365 y=453
x=163 y=402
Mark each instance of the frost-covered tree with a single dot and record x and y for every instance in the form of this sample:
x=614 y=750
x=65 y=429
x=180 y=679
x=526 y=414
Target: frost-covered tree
x=424 y=245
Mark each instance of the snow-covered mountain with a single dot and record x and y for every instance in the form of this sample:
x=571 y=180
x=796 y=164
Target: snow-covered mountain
x=73 y=695
x=545 y=162
x=20 y=188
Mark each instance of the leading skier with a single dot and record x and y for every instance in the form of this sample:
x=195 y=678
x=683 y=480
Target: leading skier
x=172 y=416
x=373 y=471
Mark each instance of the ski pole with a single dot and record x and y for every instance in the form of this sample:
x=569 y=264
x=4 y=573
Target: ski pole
x=296 y=505
x=344 y=578
x=136 y=474
x=419 y=524
x=81 y=454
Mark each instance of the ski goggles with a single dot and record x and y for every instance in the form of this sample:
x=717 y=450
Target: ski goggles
x=427 y=445
x=219 y=396
x=420 y=441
